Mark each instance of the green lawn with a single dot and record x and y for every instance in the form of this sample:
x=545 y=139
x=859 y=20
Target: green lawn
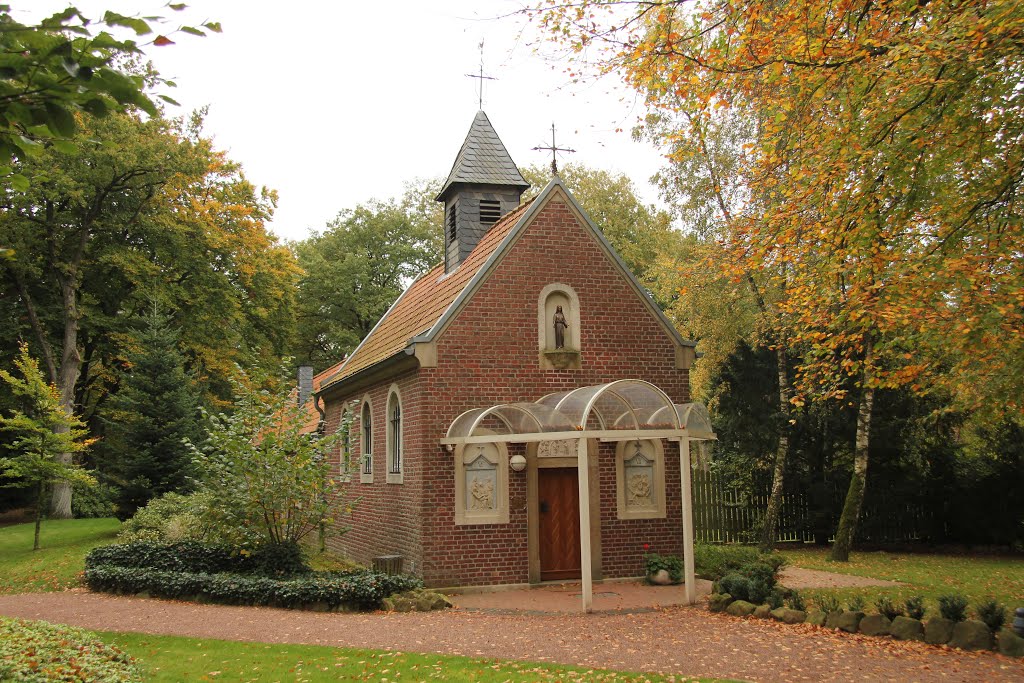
x=169 y=658
x=976 y=578
x=61 y=555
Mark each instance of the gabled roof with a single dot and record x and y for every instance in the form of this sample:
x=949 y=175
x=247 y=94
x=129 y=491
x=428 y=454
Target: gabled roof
x=483 y=159
x=419 y=308
x=424 y=310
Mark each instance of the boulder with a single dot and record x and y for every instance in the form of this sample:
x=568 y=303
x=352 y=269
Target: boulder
x=740 y=608
x=832 y=618
x=849 y=621
x=816 y=618
x=971 y=635
x=938 y=630
x=717 y=602
x=905 y=628
x=1010 y=644
x=874 y=625
x=417 y=600
x=762 y=611
x=789 y=616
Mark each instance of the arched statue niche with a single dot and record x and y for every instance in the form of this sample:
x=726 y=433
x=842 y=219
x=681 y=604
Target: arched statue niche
x=558 y=328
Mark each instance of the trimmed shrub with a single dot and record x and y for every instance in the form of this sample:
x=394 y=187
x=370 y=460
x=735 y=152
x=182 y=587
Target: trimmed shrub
x=992 y=614
x=774 y=599
x=360 y=590
x=827 y=602
x=953 y=607
x=192 y=556
x=763 y=572
x=278 y=559
x=856 y=603
x=713 y=562
x=741 y=587
x=914 y=607
x=796 y=601
x=887 y=609
x=38 y=651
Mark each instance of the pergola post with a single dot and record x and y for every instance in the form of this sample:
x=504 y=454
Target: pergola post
x=687 y=500
x=585 y=559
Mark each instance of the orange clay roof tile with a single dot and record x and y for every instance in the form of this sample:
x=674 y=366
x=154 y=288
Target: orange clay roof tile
x=424 y=302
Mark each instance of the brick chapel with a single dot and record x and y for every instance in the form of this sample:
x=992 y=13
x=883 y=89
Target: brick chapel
x=521 y=413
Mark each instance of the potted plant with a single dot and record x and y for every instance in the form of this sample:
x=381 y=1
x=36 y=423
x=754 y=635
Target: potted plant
x=663 y=570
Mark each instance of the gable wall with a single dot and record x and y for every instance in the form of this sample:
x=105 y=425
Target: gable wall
x=489 y=355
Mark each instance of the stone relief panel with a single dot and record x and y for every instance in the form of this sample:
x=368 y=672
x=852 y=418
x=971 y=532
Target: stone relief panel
x=481 y=484
x=640 y=478
x=566 y=448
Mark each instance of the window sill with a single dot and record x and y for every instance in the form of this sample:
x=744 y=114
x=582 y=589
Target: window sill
x=395 y=478
x=366 y=478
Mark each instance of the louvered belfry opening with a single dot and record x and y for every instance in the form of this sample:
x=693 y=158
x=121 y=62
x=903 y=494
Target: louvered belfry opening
x=483 y=185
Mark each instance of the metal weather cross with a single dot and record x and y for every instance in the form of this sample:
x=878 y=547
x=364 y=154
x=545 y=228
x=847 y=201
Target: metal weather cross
x=481 y=76
x=554 y=149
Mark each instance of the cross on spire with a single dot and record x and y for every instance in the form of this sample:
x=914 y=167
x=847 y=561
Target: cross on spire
x=554 y=149
x=481 y=76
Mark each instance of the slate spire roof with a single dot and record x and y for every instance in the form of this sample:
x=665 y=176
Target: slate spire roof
x=483 y=160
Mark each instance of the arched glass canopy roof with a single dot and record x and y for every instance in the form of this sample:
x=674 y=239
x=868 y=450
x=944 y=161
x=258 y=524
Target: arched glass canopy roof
x=623 y=409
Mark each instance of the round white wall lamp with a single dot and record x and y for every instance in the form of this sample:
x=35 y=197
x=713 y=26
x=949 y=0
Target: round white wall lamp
x=517 y=463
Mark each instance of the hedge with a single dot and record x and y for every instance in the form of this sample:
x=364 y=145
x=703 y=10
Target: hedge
x=194 y=556
x=360 y=590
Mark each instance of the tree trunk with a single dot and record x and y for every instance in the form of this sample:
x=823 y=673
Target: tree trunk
x=40 y=501
x=770 y=522
x=70 y=364
x=855 y=494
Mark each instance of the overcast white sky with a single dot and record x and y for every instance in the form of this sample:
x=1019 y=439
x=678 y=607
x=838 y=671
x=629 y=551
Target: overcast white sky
x=334 y=103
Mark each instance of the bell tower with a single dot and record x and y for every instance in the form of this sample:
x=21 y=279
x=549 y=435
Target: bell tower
x=483 y=185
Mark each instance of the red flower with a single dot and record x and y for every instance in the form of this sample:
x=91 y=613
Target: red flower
x=647 y=546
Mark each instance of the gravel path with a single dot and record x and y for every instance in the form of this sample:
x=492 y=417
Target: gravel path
x=682 y=640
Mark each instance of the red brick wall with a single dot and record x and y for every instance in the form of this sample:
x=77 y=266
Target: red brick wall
x=385 y=518
x=489 y=355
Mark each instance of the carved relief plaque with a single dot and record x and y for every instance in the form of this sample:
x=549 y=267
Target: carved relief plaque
x=639 y=477
x=566 y=448
x=481 y=484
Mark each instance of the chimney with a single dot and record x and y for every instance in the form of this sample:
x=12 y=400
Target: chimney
x=305 y=383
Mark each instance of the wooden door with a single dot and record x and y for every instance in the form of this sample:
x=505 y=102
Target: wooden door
x=559 y=513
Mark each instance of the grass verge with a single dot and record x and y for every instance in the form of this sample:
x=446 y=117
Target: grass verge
x=975 y=577
x=172 y=658
x=63 y=545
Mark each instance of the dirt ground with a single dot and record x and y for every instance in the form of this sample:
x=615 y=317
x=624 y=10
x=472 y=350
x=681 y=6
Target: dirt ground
x=679 y=640
x=796 y=577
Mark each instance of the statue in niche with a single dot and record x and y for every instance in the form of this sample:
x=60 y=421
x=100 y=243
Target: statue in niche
x=560 y=324
x=482 y=493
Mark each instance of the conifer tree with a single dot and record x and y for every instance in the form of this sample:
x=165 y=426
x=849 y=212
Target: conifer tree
x=151 y=417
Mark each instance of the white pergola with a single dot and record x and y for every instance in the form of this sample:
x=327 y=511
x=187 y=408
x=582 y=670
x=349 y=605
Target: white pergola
x=623 y=410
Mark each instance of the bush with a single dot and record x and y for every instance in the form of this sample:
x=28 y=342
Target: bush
x=953 y=607
x=796 y=601
x=992 y=614
x=763 y=572
x=360 y=590
x=279 y=559
x=713 y=562
x=670 y=563
x=887 y=609
x=827 y=603
x=192 y=556
x=38 y=651
x=744 y=588
x=173 y=517
x=774 y=599
x=915 y=607
x=856 y=603
x=92 y=501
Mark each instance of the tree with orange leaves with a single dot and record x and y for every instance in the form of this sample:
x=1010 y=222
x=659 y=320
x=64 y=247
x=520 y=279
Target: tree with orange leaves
x=883 y=164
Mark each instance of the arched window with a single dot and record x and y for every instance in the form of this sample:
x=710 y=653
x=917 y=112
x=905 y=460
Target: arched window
x=366 y=444
x=394 y=437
